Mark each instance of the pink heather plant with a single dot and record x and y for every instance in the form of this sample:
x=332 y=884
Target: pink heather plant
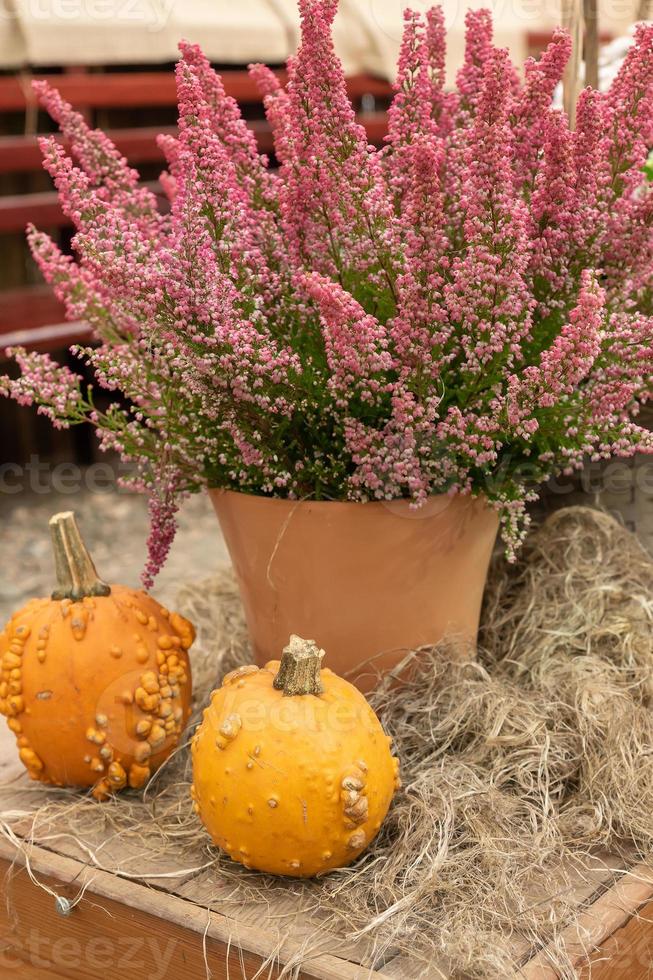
x=468 y=310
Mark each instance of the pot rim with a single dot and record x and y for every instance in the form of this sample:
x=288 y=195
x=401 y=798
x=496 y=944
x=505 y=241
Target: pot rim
x=393 y=503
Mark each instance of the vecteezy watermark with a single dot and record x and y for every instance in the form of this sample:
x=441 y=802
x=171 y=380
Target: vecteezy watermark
x=615 y=477
x=153 y=15
x=147 y=955
x=614 y=482
x=40 y=477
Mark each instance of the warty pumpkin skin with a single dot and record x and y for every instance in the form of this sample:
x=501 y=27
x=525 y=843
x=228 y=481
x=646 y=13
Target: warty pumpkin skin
x=287 y=782
x=95 y=687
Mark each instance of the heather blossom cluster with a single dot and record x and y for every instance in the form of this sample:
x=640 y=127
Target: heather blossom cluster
x=468 y=309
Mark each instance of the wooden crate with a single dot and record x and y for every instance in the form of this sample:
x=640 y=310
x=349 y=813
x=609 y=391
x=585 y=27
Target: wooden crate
x=184 y=927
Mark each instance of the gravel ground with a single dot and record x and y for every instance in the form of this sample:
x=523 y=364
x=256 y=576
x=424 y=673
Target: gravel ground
x=114 y=526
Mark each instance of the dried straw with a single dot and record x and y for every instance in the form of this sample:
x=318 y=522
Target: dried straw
x=516 y=769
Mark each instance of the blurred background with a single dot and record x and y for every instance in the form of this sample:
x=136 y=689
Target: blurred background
x=113 y=59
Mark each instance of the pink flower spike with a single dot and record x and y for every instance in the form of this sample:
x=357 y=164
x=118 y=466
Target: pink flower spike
x=466 y=310
x=356 y=343
x=478 y=51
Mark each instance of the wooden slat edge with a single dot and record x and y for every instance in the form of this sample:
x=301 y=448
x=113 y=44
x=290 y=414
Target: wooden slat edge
x=52 y=335
x=183 y=913
x=139 y=143
x=628 y=952
x=158 y=88
x=598 y=922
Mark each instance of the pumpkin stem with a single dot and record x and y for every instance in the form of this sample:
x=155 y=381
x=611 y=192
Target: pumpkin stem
x=76 y=574
x=299 y=672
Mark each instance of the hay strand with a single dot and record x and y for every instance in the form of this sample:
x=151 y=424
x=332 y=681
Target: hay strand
x=516 y=769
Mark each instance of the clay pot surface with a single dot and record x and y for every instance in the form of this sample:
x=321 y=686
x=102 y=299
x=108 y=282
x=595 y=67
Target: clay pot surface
x=367 y=582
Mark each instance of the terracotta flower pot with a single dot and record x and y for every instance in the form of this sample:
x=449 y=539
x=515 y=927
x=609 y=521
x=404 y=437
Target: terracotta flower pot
x=366 y=581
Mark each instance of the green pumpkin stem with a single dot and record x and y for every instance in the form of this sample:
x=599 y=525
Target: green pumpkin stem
x=299 y=672
x=76 y=574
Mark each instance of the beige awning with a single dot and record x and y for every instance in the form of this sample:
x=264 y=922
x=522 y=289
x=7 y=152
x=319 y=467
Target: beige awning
x=367 y=32
x=13 y=53
x=91 y=32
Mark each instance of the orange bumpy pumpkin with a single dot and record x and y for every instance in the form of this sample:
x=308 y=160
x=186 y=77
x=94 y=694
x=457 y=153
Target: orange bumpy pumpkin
x=95 y=681
x=292 y=772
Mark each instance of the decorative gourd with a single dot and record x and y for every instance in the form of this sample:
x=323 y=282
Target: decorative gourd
x=95 y=681
x=292 y=772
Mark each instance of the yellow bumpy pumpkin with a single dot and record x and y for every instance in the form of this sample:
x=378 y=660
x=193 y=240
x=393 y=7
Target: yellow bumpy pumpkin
x=95 y=681
x=292 y=771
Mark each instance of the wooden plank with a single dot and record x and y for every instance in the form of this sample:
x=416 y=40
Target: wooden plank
x=115 y=90
x=83 y=836
x=591 y=43
x=284 y=914
x=33 y=317
x=573 y=22
x=116 y=910
x=92 y=842
x=597 y=876
x=76 y=828
x=80 y=834
x=43 y=209
x=150 y=88
x=139 y=144
x=409 y=968
x=619 y=920
x=22 y=153
x=28 y=307
x=597 y=923
x=53 y=337
x=281 y=924
x=627 y=954
x=11 y=961
x=104 y=937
